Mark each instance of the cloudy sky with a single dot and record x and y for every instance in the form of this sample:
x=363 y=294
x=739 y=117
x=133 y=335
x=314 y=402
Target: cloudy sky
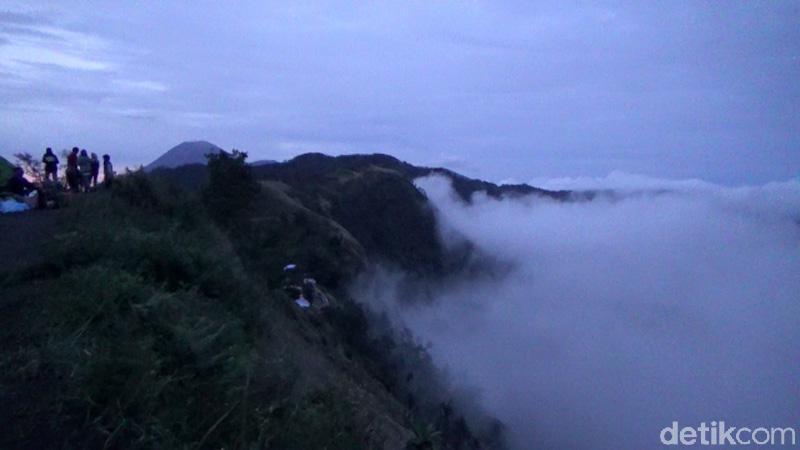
x=501 y=90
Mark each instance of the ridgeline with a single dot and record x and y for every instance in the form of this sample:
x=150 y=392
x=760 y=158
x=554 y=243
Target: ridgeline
x=152 y=315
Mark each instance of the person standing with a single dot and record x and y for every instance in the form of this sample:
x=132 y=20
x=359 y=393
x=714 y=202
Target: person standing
x=50 y=161
x=85 y=168
x=108 y=171
x=95 y=169
x=73 y=175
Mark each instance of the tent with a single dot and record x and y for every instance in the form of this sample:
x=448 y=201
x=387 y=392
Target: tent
x=6 y=170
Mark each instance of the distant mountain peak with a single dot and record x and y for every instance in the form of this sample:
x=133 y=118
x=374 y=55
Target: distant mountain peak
x=185 y=153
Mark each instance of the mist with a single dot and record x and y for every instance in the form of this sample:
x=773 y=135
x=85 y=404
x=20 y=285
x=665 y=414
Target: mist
x=622 y=314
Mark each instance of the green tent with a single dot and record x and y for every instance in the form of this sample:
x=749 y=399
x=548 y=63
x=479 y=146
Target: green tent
x=6 y=170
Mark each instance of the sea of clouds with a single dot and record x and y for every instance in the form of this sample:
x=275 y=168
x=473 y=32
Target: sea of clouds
x=621 y=314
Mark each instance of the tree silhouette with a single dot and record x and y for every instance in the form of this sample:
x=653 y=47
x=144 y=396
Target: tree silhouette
x=31 y=166
x=231 y=187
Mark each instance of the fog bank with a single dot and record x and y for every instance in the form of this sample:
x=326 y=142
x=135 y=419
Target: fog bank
x=622 y=316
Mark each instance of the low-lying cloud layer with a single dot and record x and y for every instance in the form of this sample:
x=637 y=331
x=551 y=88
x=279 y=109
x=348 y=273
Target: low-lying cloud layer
x=622 y=316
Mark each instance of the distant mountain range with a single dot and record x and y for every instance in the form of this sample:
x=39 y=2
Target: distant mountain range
x=191 y=152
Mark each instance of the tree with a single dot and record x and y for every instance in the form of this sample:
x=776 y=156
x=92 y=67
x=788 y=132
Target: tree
x=231 y=187
x=31 y=166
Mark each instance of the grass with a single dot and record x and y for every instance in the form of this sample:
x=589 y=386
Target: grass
x=143 y=333
x=154 y=322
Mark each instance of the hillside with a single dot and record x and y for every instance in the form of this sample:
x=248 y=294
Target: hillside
x=155 y=317
x=183 y=154
x=374 y=198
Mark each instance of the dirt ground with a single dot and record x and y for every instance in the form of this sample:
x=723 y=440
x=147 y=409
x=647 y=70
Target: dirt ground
x=21 y=236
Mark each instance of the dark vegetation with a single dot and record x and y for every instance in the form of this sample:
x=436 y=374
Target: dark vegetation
x=373 y=197
x=230 y=191
x=154 y=317
x=312 y=165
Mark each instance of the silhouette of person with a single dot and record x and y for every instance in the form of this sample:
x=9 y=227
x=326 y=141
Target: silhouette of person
x=73 y=175
x=95 y=169
x=108 y=171
x=85 y=168
x=50 y=161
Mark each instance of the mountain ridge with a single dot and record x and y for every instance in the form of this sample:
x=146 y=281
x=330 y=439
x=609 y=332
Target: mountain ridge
x=193 y=337
x=314 y=164
x=317 y=164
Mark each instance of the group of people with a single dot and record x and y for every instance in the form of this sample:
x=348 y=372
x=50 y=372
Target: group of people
x=82 y=171
x=303 y=290
x=17 y=193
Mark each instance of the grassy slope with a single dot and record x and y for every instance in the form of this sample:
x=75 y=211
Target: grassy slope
x=146 y=324
x=142 y=328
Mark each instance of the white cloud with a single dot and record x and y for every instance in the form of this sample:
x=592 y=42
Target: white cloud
x=140 y=86
x=30 y=46
x=622 y=315
x=133 y=113
x=617 y=180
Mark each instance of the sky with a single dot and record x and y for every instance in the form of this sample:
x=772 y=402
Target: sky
x=502 y=90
